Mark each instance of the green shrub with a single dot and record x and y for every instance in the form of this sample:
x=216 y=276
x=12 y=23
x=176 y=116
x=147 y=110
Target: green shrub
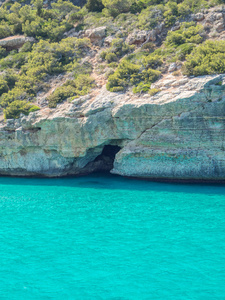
x=130 y=74
x=95 y=5
x=78 y=69
x=122 y=76
x=5 y=30
x=3 y=52
x=148 y=46
x=72 y=88
x=191 y=6
x=15 y=60
x=59 y=95
x=180 y=43
x=142 y=87
x=152 y=61
x=103 y=54
x=153 y=92
x=183 y=50
x=207 y=58
x=188 y=33
x=45 y=59
x=175 y=38
x=171 y=12
x=12 y=95
x=33 y=108
x=136 y=7
x=117 y=50
x=176 y=73
x=11 y=78
x=27 y=47
x=3 y=86
x=120 y=48
x=116 y=7
x=150 y=17
x=111 y=57
x=52 y=58
x=15 y=108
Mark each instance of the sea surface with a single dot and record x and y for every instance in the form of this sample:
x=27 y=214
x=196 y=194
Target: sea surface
x=107 y=237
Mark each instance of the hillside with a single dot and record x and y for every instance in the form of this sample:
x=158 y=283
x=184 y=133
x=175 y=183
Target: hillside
x=55 y=51
x=136 y=88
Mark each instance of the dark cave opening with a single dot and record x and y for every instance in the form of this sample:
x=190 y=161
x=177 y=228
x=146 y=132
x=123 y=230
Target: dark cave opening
x=104 y=161
x=110 y=151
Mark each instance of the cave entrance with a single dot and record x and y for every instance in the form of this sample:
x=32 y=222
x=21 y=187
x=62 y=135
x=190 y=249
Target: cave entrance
x=105 y=161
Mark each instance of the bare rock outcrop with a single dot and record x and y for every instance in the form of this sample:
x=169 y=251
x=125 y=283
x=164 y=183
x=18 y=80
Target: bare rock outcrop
x=177 y=134
x=96 y=35
x=138 y=37
x=15 y=42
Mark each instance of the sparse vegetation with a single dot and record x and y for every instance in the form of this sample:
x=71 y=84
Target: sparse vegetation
x=153 y=92
x=26 y=71
x=72 y=88
x=117 y=50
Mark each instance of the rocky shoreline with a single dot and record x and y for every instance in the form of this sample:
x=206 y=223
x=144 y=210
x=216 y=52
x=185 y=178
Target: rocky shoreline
x=177 y=134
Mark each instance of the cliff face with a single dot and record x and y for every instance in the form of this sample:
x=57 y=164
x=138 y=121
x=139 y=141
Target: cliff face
x=177 y=134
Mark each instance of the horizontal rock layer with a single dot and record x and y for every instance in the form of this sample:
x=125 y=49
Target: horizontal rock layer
x=178 y=134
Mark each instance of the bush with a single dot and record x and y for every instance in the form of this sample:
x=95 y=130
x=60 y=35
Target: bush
x=130 y=74
x=208 y=58
x=11 y=96
x=152 y=61
x=116 y=7
x=180 y=43
x=11 y=78
x=72 y=88
x=120 y=48
x=116 y=51
x=27 y=47
x=136 y=7
x=122 y=76
x=171 y=12
x=3 y=53
x=148 y=46
x=95 y=5
x=5 y=30
x=142 y=87
x=15 y=108
x=188 y=33
x=110 y=57
x=3 y=86
x=153 y=92
x=15 y=60
x=191 y=6
x=150 y=17
x=183 y=50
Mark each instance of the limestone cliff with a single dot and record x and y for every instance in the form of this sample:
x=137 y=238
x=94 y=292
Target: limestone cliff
x=177 y=134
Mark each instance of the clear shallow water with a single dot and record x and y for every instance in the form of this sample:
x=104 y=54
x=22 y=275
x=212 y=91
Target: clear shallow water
x=106 y=237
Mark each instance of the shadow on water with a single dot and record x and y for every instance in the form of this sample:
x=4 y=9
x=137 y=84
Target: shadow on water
x=109 y=181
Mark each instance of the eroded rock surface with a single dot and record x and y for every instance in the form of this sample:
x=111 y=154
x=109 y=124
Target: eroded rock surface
x=15 y=42
x=179 y=133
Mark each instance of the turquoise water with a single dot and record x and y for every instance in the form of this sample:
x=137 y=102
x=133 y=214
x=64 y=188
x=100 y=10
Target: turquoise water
x=106 y=237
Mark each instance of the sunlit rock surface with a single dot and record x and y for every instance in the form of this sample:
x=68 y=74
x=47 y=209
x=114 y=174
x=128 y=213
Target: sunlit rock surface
x=178 y=134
